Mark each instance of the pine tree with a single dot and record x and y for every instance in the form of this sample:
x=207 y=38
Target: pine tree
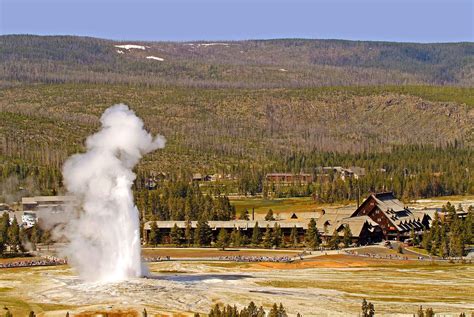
x=365 y=308
x=35 y=235
x=267 y=238
x=371 y=310
x=274 y=311
x=420 y=312
x=429 y=312
x=203 y=233
x=256 y=235
x=335 y=240
x=277 y=235
x=14 y=234
x=154 y=235
x=282 y=311
x=244 y=214
x=269 y=216
x=176 y=235
x=235 y=237
x=313 y=240
x=222 y=239
x=294 y=237
x=347 y=239
x=188 y=234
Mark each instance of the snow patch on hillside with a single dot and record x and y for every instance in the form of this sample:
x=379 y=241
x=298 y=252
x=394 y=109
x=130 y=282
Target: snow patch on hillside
x=131 y=46
x=155 y=58
x=207 y=44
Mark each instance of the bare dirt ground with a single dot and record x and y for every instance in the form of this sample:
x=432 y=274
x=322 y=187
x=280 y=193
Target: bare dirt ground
x=332 y=285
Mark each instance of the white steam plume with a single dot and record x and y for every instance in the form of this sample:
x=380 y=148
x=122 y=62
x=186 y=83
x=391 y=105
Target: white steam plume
x=105 y=237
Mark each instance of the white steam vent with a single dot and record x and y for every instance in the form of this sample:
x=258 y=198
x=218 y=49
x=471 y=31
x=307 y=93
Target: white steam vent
x=105 y=237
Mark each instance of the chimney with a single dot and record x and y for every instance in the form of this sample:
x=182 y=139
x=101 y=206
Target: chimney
x=358 y=196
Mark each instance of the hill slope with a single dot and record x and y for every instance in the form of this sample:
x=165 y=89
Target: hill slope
x=251 y=64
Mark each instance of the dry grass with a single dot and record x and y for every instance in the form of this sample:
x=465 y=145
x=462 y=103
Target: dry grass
x=203 y=253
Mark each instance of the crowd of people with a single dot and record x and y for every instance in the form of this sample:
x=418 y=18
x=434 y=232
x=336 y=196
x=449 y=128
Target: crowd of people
x=44 y=261
x=156 y=259
x=241 y=258
x=378 y=256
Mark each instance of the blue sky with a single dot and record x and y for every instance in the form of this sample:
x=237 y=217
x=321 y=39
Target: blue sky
x=386 y=20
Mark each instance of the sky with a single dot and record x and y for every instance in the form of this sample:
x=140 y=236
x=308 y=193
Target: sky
x=184 y=20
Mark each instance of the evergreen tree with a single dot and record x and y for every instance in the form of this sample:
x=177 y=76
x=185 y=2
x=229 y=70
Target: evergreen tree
x=203 y=233
x=188 y=234
x=420 y=312
x=14 y=235
x=294 y=237
x=282 y=311
x=222 y=239
x=413 y=237
x=335 y=240
x=365 y=308
x=235 y=237
x=255 y=235
x=35 y=235
x=269 y=216
x=244 y=214
x=154 y=235
x=313 y=240
x=347 y=239
x=176 y=235
x=4 y=226
x=277 y=238
x=429 y=312
x=274 y=311
x=267 y=238
x=368 y=309
x=426 y=240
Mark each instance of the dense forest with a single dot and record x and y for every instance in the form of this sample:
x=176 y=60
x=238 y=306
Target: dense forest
x=251 y=64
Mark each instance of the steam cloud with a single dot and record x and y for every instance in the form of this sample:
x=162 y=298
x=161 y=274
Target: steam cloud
x=104 y=239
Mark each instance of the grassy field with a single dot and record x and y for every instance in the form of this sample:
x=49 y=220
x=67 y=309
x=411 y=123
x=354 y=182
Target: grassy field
x=307 y=204
x=283 y=205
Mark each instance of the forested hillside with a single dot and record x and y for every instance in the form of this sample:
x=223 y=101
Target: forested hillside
x=422 y=141
x=251 y=64
x=245 y=108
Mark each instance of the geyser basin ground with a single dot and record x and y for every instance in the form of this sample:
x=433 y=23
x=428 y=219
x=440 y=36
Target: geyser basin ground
x=328 y=284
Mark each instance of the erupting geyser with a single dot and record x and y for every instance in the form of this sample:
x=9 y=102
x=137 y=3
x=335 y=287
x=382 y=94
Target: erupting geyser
x=104 y=240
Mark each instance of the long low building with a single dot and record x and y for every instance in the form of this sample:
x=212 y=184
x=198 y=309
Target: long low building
x=363 y=229
x=37 y=203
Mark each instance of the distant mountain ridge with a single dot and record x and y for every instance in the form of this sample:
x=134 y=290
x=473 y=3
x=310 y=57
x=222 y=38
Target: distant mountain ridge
x=250 y=64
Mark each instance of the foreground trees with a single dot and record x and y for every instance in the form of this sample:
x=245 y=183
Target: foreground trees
x=250 y=311
x=448 y=237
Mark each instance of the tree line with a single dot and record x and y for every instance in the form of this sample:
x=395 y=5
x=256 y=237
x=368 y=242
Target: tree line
x=252 y=310
x=448 y=237
x=19 y=238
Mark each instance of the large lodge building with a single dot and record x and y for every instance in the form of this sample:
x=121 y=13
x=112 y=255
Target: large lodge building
x=395 y=219
x=380 y=216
